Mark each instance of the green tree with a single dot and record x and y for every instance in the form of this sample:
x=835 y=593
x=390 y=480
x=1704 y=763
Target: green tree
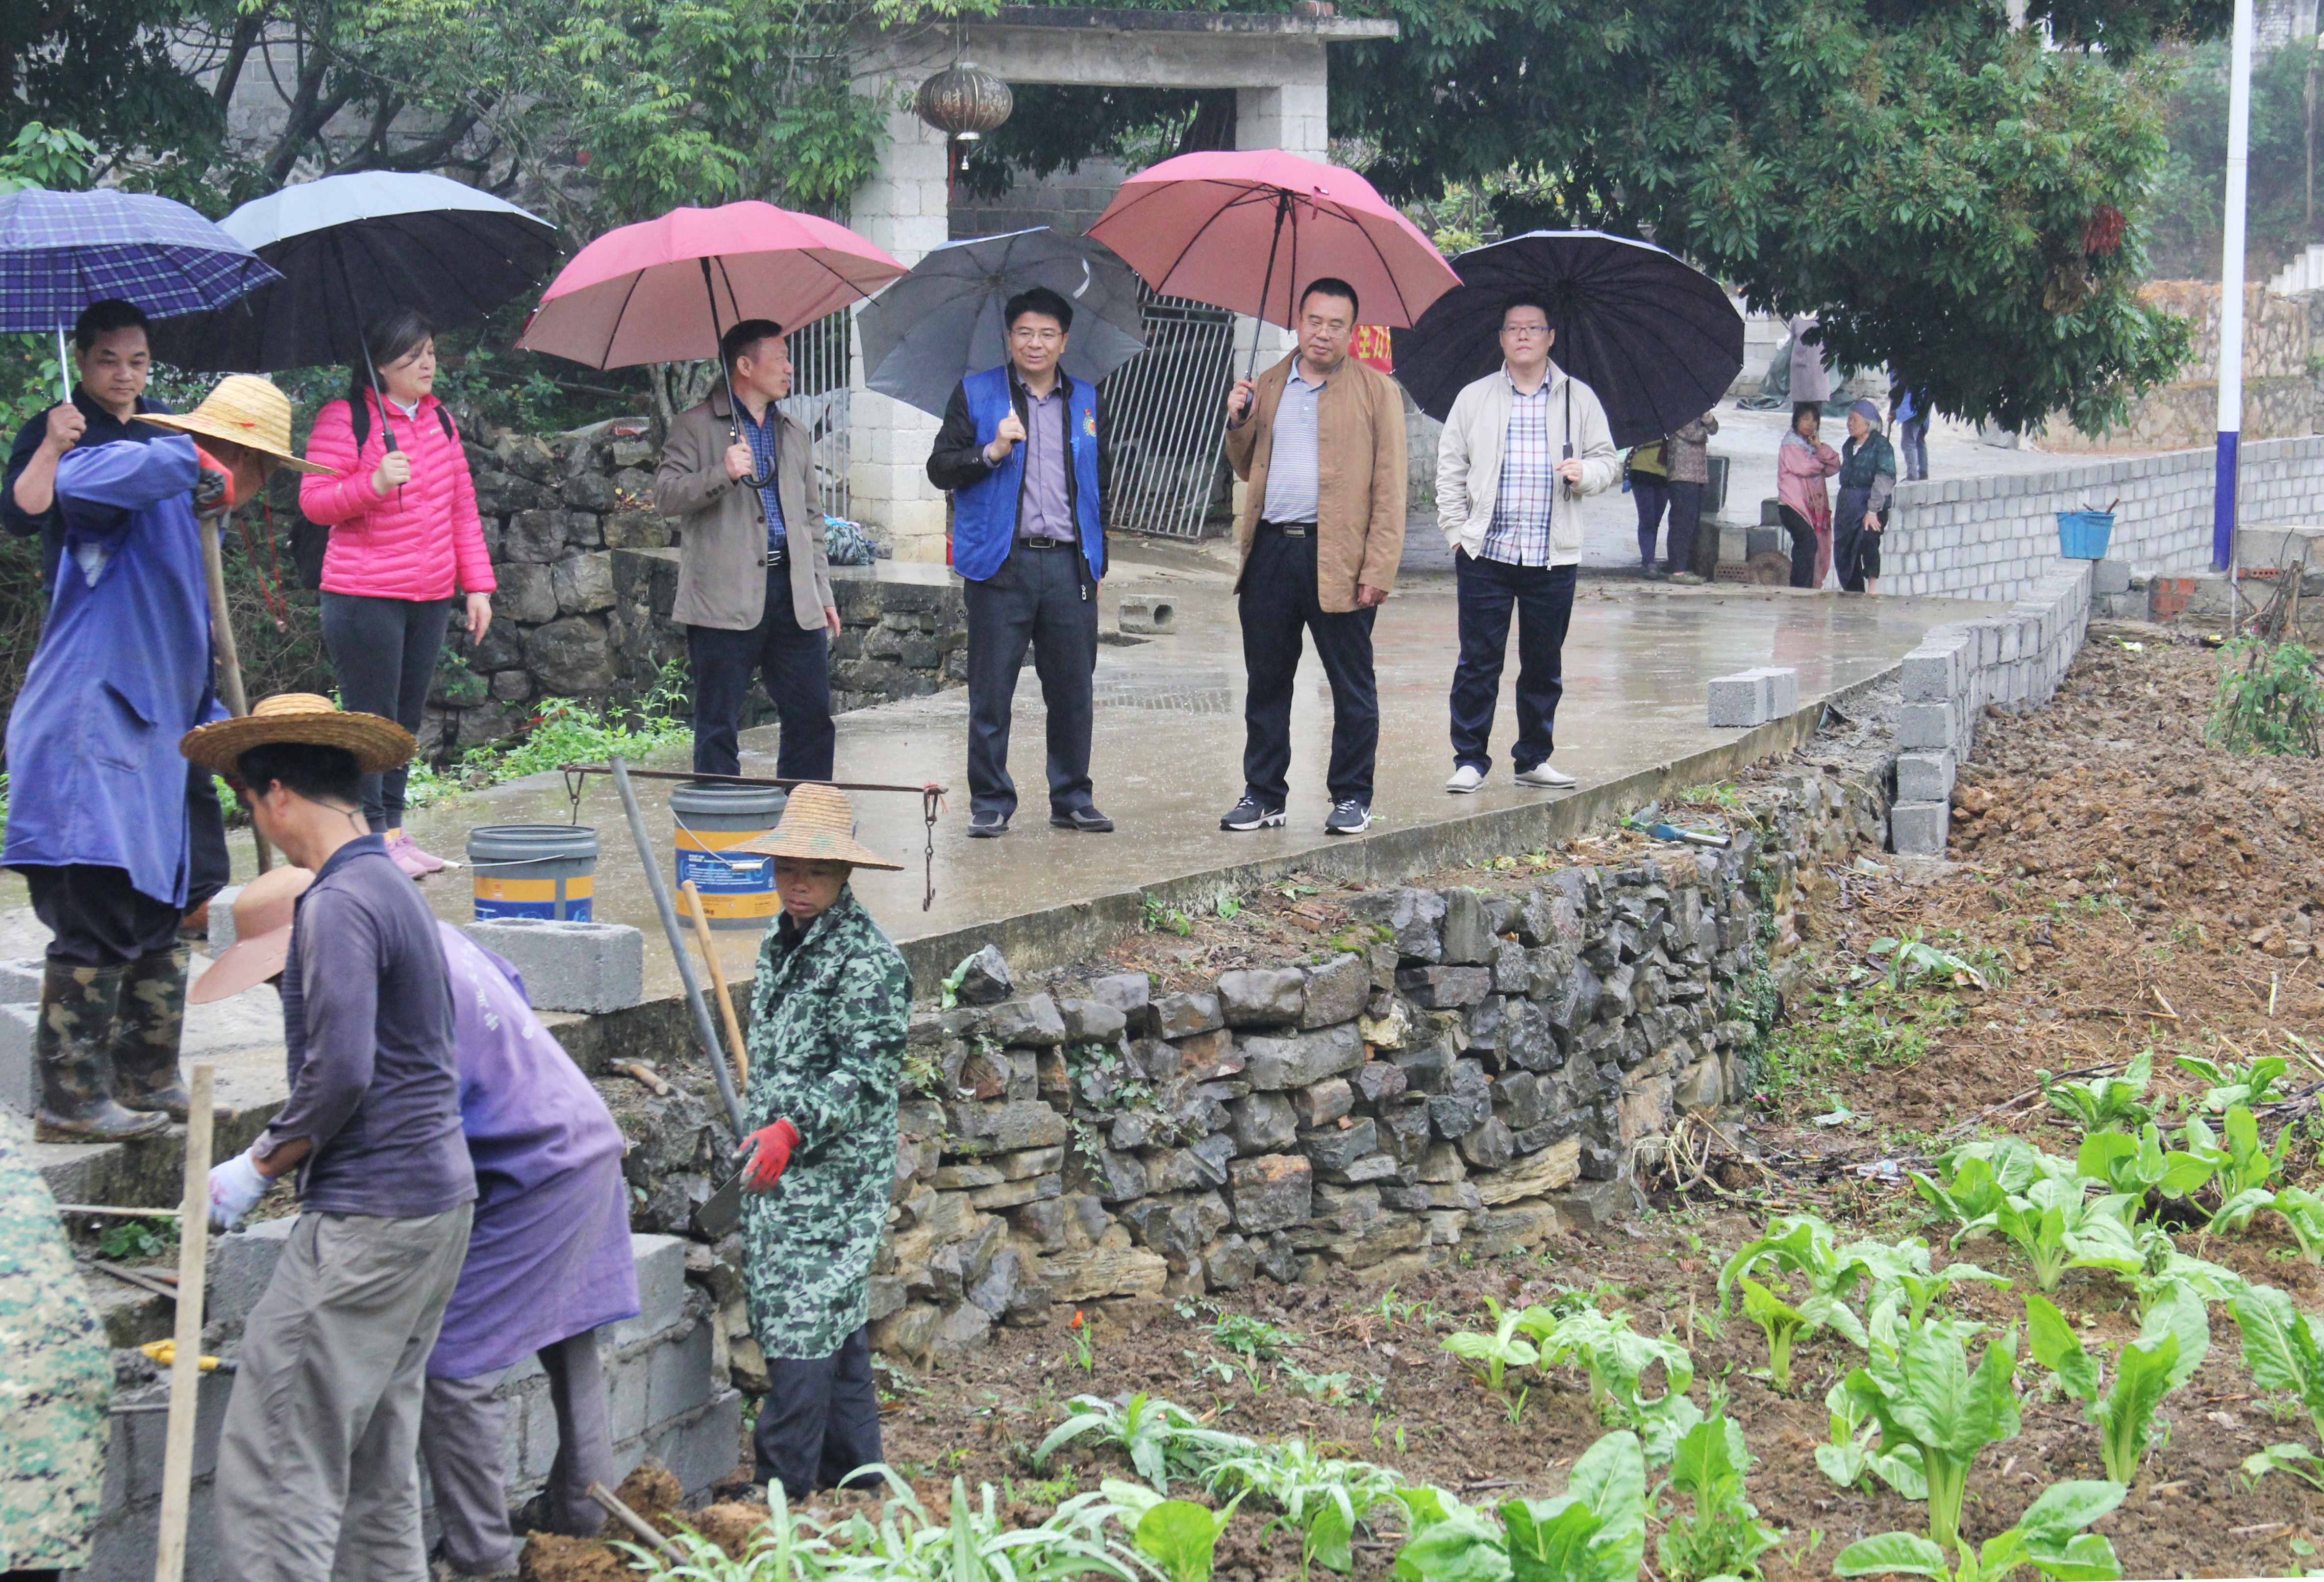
x=1954 y=198
x=2190 y=194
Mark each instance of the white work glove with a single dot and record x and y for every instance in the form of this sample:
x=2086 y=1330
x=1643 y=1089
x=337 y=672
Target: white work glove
x=236 y=1188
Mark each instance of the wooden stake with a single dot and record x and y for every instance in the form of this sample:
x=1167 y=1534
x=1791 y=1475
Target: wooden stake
x=185 y=1366
x=660 y=1542
x=229 y=666
x=718 y=981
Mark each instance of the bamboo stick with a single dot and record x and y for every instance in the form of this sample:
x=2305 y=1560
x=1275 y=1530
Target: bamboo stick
x=185 y=1365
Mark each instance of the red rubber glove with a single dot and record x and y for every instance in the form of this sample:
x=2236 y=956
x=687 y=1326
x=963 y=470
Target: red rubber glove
x=769 y=1154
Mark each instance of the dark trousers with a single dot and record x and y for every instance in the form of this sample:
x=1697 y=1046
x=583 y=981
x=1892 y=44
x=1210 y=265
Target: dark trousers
x=1042 y=597
x=1912 y=448
x=1803 y=547
x=384 y=653
x=820 y=1420
x=1848 y=540
x=1650 y=494
x=461 y=1423
x=1685 y=520
x=796 y=665
x=1542 y=599
x=1278 y=603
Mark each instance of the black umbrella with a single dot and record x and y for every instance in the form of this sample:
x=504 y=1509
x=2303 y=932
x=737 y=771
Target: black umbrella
x=351 y=248
x=1655 y=337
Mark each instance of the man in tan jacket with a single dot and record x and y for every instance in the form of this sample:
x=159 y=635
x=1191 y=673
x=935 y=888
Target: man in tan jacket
x=1320 y=440
x=754 y=583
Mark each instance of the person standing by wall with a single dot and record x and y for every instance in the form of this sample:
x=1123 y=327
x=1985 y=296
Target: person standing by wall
x=1810 y=378
x=405 y=537
x=1319 y=438
x=753 y=578
x=828 y=1009
x=1868 y=479
x=1908 y=413
x=318 y=1465
x=1686 y=452
x=1648 y=476
x=1802 y=462
x=1509 y=501
x=1022 y=449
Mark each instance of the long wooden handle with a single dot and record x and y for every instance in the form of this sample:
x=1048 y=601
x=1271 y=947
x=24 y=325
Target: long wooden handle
x=223 y=648
x=185 y=1377
x=718 y=982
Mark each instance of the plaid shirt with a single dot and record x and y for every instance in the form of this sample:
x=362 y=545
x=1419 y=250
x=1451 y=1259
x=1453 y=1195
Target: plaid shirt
x=762 y=465
x=1520 y=535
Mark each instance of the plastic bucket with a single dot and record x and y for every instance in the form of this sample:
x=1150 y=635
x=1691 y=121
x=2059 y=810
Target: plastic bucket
x=737 y=892
x=2082 y=534
x=533 y=870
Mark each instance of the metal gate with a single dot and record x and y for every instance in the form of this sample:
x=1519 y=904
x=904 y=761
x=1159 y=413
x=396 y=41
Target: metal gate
x=818 y=398
x=1166 y=410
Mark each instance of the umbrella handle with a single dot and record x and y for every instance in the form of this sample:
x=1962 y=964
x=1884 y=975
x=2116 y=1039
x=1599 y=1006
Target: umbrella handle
x=64 y=367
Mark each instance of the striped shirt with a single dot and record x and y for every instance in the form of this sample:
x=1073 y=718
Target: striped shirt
x=1291 y=464
x=1520 y=535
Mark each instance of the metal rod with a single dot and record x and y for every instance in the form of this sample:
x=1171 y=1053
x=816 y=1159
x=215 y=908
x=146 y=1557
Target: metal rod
x=848 y=785
x=702 y=1027
x=186 y=1360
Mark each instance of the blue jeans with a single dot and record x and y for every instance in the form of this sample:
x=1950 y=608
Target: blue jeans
x=1541 y=597
x=796 y=663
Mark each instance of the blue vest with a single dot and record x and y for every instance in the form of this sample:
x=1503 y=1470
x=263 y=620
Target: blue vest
x=984 y=513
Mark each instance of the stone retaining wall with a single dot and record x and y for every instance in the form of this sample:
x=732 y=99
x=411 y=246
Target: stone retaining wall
x=1996 y=538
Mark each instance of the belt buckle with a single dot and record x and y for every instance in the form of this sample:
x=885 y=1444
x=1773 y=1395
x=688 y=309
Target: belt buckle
x=1293 y=530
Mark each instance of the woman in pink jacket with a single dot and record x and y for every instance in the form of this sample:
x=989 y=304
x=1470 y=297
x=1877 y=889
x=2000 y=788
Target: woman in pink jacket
x=404 y=539
x=1802 y=462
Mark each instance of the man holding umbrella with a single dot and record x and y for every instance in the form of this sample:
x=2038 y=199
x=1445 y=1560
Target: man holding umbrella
x=1521 y=448
x=1021 y=449
x=1320 y=439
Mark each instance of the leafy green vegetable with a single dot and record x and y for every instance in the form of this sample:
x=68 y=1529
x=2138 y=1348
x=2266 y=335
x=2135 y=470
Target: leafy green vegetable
x=1499 y=1350
x=1723 y=1535
x=1159 y=1439
x=2170 y=1346
x=2105 y=1104
x=1321 y=1498
x=2038 y=1224
x=1182 y=1538
x=1923 y=1393
x=1850 y=1455
x=2235 y=1084
x=1970 y=1193
x=1595 y=1531
x=2048 y=1537
x=1805 y=1246
x=1782 y=1324
x=2280 y=1347
x=1616 y=1357
x=1900 y=1273
x=2140 y=1165
x=2299 y=1460
x=1448 y=1542
x=2303 y=1211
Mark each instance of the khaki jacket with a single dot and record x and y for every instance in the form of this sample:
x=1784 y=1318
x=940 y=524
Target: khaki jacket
x=1359 y=477
x=1468 y=460
x=722 y=580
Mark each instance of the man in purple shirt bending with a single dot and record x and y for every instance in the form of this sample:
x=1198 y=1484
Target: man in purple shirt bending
x=317 y=1474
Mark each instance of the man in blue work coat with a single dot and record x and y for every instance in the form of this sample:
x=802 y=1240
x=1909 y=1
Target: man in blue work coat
x=114 y=840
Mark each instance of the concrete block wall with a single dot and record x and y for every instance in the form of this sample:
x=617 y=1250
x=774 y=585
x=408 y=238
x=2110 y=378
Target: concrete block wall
x=1997 y=537
x=2015 y=660
x=669 y=1404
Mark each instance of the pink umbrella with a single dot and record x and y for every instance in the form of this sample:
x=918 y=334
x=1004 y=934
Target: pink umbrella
x=1194 y=226
x=661 y=290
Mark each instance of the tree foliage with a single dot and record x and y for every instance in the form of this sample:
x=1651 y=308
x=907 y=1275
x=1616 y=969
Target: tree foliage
x=1955 y=199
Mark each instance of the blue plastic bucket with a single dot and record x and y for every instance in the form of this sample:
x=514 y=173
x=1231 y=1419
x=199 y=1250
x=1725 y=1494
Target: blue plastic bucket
x=2082 y=534
x=533 y=870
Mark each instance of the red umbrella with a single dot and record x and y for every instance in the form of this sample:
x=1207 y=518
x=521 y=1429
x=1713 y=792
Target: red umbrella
x=1194 y=226
x=661 y=290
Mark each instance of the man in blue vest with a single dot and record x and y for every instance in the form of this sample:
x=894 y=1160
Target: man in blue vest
x=1020 y=451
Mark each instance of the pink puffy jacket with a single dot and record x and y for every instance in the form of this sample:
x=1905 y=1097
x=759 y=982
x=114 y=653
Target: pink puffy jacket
x=414 y=542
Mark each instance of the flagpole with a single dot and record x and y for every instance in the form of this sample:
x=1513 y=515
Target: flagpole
x=2224 y=548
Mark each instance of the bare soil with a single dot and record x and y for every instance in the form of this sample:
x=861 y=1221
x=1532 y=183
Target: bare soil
x=2125 y=885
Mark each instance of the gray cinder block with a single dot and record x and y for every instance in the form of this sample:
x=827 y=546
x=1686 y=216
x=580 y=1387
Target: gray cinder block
x=1917 y=829
x=1924 y=777
x=570 y=966
x=20 y=981
x=1783 y=690
x=1739 y=701
x=661 y=1290
x=1153 y=613
x=17 y=1025
x=241 y=1267
x=222 y=920
x=1929 y=676
x=1926 y=724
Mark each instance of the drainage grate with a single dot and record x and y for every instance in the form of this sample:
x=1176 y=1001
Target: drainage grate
x=1201 y=692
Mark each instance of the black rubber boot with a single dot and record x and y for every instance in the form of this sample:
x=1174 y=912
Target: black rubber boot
x=146 y=1027
x=71 y=1046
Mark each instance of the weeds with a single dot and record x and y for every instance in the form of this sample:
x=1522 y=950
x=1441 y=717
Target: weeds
x=2269 y=699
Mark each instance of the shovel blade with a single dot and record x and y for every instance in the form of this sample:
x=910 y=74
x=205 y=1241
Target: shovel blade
x=722 y=1211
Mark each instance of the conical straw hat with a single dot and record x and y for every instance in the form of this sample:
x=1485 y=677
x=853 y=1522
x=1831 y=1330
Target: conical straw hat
x=245 y=410
x=817 y=826
x=379 y=745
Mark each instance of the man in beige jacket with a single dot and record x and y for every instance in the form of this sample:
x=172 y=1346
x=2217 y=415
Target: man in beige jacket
x=1320 y=439
x=754 y=583
x=1520 y=447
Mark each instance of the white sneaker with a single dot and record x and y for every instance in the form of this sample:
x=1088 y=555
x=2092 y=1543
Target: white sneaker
x=1467 y=778
x=1543 y=774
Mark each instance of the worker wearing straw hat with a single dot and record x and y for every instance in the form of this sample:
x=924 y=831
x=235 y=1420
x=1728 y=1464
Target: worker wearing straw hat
x=318 y=1458
x=827 y=1044
x=117 y=841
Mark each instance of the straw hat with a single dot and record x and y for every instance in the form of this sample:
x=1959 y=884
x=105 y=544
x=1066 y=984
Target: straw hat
x=379 y=745
x=243 y=410
x=261 y=936
x=817 y=827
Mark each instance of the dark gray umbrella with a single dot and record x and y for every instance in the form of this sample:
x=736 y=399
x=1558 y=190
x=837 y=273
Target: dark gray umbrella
x=942 y=320
x=351 y=248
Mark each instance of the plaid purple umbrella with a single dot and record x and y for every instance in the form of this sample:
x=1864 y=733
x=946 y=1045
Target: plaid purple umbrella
x=61 y=251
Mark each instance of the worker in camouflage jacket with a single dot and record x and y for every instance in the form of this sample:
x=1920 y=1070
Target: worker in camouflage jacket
x=56 y=1378
x=826 y=1045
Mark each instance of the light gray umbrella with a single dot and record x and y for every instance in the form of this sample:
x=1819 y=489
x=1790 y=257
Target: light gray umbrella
x=942 y=320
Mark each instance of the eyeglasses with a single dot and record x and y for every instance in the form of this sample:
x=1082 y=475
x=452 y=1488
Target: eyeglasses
x=1525 y=331
x=1043 y=336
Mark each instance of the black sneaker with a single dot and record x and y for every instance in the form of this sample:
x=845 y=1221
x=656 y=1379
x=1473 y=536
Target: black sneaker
x=1247 y=814
x=1088 y=820
x=988 y=825
x=1348 y=818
